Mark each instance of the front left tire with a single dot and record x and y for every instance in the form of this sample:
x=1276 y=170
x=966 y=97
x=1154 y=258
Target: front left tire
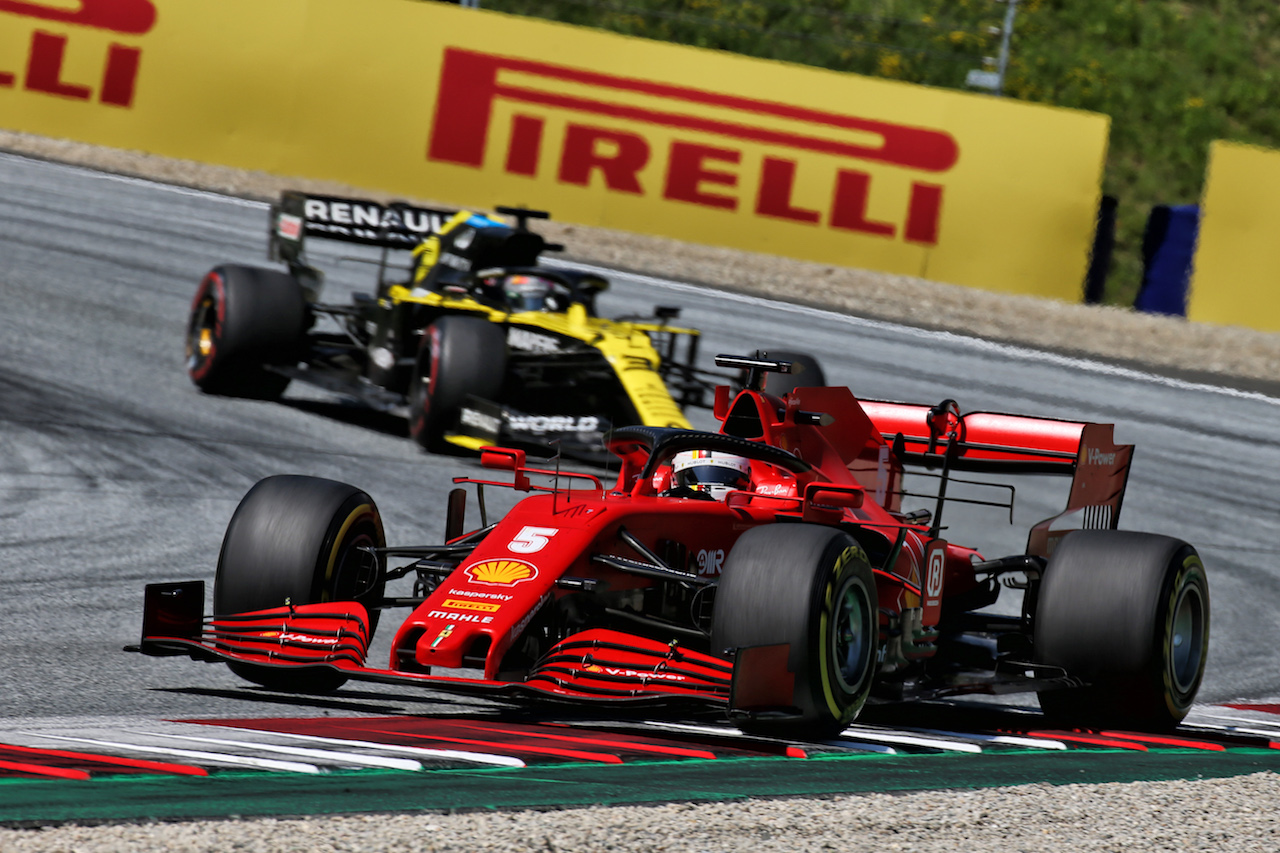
x=810 y=587
x=299 y=540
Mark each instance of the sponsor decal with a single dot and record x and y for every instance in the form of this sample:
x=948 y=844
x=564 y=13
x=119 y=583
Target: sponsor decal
x=1094 y=456
x=289 y=227
x=518 y=628
x=300 y=638
x=710 y=562
x=501 y=572
x=633 y=673
x=457 y=262
x=482 y=606
x=539 y=424
x=523 y=339
x=776 y=489
x=369 y=221
x=581 y=100
x=933 y=579
x=442 y=636
x=459 y=617
x=883 y=464
x=463 y=238
x=127 y=17
x=472 y=593
x=478 y=420
x=117 y=69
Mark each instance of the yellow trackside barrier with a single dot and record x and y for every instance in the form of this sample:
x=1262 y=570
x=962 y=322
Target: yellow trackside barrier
x=478 y=109
x=1238 y=254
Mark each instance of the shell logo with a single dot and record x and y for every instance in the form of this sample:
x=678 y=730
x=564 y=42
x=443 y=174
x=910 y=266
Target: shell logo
x=502 y=572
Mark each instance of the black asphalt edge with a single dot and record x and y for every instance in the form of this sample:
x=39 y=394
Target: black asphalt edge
x=243 y=795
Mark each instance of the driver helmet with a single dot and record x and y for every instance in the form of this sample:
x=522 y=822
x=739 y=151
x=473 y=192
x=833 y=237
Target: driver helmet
x=530 y=293
x=712 y=471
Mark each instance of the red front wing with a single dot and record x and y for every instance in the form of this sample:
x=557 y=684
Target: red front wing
x=597 y=665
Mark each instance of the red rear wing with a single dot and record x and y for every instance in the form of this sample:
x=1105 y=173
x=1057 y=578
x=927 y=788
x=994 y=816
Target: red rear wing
x=1016 y=444
x=989 y=441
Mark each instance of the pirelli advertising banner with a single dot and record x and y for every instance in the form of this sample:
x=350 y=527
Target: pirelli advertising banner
x=479 y=109
x=1236 y=280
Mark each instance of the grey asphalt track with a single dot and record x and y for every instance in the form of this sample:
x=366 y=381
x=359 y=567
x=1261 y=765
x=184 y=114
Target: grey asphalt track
x=115 y=471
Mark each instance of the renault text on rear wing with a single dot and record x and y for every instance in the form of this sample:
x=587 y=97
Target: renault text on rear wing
x=397 y=225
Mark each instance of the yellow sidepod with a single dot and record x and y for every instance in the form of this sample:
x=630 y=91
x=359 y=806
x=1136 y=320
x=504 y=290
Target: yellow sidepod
x=625 y=346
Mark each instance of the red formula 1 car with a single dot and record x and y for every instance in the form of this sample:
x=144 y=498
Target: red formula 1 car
x=768 y=571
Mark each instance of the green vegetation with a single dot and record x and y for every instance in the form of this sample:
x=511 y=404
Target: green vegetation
x=1174 y=75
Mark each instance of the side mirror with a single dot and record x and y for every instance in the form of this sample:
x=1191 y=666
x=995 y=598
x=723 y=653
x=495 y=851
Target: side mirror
x=501 y=458
x=507 y=459
x=720 y=409
x=826 y=494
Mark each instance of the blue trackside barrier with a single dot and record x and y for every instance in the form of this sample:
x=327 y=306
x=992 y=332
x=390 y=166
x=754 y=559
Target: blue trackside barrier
x=1168 y=249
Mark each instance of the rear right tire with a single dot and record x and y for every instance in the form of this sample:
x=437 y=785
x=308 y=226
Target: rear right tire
x=1128 y=613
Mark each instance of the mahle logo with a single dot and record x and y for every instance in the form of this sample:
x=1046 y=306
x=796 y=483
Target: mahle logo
x=47 y=51
x=472 y=84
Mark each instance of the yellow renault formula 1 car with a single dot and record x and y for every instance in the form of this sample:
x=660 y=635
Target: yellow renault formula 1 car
x=467 y=333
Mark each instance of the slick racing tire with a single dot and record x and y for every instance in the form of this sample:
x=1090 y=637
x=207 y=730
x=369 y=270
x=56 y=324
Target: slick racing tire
x=805 y=373
x=458 y=357
x=810 y=587
x=242 y=320
x=1129 y=614
x=297 y=539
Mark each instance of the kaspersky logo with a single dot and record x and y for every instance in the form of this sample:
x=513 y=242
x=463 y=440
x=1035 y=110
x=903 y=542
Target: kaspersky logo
x=472 y=84
x=53 y=39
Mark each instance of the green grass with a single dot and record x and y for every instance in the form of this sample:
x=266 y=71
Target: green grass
x=1173 y=76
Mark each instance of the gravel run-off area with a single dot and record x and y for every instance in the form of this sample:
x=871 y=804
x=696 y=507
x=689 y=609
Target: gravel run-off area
x=1220 y=815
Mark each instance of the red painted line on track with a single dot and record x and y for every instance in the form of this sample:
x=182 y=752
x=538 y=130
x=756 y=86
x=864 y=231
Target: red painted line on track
x=501 y=748
x=1266 y=709
x=1091 y=740
x=1161 y=740
x=93 y=759
x=605 y=741
x=41 y=770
